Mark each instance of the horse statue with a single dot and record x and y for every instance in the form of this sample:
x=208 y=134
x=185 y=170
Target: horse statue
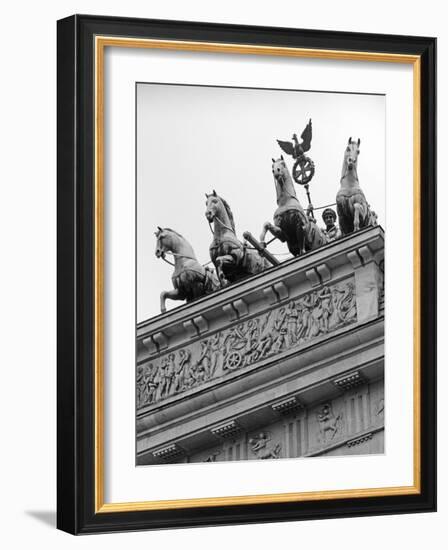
x=353 y=209
x=291 y=222
x=190 y=279
x=232 y=259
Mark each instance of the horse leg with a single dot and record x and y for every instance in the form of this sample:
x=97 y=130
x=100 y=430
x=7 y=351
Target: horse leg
x=274 y=230
x=344 y=223
x=211 y=281
x=356 y=216
x=364 y=215
x=302 y=240
x=171 y=294
x=219 y=263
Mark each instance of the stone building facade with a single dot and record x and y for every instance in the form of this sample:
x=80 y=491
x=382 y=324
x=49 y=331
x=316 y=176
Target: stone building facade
x=287 y=363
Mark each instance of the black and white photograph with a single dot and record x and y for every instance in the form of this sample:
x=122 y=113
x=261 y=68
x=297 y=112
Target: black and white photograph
x=260 y=234
x=220 y=295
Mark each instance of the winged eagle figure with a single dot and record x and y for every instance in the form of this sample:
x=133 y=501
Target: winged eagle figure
x=296 y=149
x=303 y=169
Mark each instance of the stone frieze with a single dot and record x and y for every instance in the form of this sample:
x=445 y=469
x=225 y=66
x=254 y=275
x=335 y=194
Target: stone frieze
x=288 y=326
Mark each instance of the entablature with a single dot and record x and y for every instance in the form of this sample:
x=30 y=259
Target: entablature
x=303 y=301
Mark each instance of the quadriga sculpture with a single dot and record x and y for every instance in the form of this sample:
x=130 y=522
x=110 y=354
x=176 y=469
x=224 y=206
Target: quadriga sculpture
x=233 y=260
x=190 y=279
x=291 y=223
x=353 y=209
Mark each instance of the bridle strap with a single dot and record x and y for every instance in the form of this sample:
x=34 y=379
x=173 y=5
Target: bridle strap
x=181 y=256
x=224 y=225
x=167 y=261
x=174 y=254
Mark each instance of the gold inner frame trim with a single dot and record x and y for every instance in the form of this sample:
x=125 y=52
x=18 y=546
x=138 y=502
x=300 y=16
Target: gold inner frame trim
x=101 y=42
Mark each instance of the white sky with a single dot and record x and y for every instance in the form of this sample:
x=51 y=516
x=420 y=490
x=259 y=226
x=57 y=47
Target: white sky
x=192 y=139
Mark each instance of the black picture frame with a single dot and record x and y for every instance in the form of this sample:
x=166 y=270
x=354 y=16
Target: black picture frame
x=76 y=510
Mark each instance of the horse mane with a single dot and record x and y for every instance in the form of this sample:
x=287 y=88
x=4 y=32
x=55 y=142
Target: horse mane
x=175 y=232
x=229 y=212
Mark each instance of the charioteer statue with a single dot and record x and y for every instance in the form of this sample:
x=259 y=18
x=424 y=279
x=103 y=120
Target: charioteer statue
x=331 y=230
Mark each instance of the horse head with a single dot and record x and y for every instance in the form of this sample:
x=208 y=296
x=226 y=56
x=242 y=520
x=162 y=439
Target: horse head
x=213 y=206
x=351 y=154
x=165 y=238
x=280 y=170
x=284 y=185
x=218 y=209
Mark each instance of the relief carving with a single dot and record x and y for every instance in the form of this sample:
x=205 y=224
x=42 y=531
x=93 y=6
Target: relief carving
x=329 y=424
x=263 y=447
x=286 y=327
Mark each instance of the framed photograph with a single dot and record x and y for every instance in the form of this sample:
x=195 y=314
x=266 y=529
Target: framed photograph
x=246 y=304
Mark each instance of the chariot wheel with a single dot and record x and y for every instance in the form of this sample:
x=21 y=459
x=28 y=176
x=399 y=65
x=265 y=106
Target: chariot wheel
x=234 y=360
x=303 y=170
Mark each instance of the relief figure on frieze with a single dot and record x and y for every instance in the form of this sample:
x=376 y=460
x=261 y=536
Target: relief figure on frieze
x=266 y=337
x=203 y=363
x=263 y=447
x=345 y=303
x=327 y=308
x=180 y=369
x=253 y=335
x=146 y=386
x=329 y=423
x=292 y=323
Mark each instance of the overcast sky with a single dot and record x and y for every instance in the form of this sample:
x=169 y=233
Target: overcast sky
x=192 y=139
